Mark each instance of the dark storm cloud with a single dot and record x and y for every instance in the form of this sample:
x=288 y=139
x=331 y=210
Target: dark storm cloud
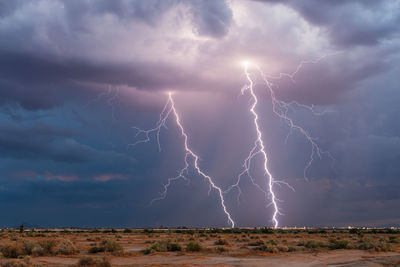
x=59 y=53
x=46 y=142
x=76 y=203
x=333 y=76
x=343 y=203
x=350 y=22
x=39 y=142
x=371 y=157
x=49 y=73
x=76 y=75
x=211 y=18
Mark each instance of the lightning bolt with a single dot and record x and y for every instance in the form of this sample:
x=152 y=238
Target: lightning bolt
x=259 y=148
x=169 y=109
x=280 y=109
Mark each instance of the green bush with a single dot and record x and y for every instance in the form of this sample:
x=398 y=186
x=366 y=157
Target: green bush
x=162 y=247
x=107 y=246
x=146 y=251
x=270 y=249
x=262 y=248
x=174 y=247
x=193 y=246
x=158 y=247
x=111 y=246
x=312 y=244
x=339 y=244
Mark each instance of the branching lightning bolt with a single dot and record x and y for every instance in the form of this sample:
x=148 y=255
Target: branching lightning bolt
x=280 y=108
x=169 y=109
x=157 y=129
x=259 y=148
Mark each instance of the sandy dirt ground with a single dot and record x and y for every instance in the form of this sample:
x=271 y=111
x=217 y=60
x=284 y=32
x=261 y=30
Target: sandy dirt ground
x=215 y=249
x=348 y=258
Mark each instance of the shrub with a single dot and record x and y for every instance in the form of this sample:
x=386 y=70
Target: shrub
x=193 y=246
x=11 y=250
x=86 y=261
x=162 y=247
x=96 y=249
x=313 y=244
x=27 y=247
x=283 y=248
x=174 y=247
x=292 y=249
x=158 y=247
x=262 y=248
x=127 y=230
x=107 y=246
x=66 y=247
x=271 y=249
x=338 y=244
x=221 y=242
x=370 y=244
x=146 y=251
x=38 y=250
x=112 y=246
x=48 y=245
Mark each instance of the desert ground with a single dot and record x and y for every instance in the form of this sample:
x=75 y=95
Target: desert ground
x=199 y=247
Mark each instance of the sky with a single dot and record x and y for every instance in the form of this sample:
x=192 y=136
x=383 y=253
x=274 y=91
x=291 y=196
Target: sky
x=77 y=76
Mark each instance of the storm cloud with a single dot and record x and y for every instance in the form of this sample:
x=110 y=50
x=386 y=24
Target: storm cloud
x=75 y=76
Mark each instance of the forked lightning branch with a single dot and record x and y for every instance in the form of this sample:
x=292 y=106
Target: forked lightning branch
x=279 y=108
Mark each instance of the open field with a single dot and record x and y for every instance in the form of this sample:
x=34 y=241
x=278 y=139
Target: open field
x=198 y=247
